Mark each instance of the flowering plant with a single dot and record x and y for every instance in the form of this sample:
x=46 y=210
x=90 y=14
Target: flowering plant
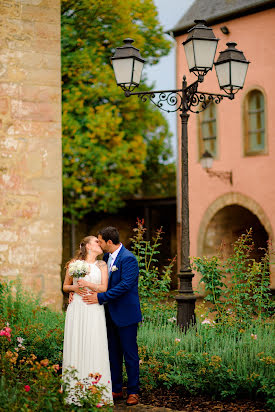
x=79 y=269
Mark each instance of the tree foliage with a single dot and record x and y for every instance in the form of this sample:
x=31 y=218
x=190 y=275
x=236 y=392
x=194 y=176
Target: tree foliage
x=108 y=139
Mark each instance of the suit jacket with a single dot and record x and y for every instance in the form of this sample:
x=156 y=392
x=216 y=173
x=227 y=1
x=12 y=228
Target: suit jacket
x=122 y=293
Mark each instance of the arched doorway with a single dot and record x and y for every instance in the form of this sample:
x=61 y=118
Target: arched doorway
x=227 y=225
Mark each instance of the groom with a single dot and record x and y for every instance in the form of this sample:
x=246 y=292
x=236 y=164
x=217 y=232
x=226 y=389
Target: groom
x=122 y=309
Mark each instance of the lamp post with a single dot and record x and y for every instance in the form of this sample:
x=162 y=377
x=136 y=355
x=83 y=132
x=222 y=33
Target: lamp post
x=231 y=67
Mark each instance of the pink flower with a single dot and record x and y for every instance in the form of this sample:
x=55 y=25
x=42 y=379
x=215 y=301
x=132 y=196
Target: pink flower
x=177 y=340
x=27 y=388
x=6 y=332
x=98 y=405
x=254 y=336
x=206 y=322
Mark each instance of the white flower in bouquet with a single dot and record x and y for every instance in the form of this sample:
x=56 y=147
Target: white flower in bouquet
x=79 y=269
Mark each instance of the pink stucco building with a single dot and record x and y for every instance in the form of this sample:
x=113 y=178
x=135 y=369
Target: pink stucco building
x=240 y=134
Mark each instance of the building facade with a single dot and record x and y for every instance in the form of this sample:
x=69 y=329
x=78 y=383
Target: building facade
x=30 y=142
x=240 y=134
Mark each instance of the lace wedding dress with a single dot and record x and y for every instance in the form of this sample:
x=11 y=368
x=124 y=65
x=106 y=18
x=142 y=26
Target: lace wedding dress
x=85 y=341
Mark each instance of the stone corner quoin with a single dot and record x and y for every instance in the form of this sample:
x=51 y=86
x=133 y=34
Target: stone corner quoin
x=30 y=142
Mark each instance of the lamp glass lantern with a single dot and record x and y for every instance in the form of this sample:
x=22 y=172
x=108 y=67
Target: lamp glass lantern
x=231 y=68
x=200 y=48
x=206 y=160
x=127 y=64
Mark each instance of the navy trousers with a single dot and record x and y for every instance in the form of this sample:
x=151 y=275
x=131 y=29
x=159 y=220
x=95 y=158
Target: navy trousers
x=122 y=343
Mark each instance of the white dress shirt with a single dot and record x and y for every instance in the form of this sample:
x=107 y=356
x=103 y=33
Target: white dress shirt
x=112 y=258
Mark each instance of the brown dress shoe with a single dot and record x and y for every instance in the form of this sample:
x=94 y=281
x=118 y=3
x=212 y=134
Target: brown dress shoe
x=117 y=395
x=133 y=399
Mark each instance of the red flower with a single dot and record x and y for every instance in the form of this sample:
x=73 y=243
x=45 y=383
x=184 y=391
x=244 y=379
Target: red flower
x=27 y=388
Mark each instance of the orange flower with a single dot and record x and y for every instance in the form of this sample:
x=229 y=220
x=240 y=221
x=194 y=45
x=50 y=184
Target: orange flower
x=93 y=389
x=44 y=362
x=56 y=367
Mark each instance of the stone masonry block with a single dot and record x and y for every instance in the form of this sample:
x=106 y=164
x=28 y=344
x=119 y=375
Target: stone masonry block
x=9 y=8
x=4 y=105
x=48 y=209
x=7 y=236
x=42 y=77
x=8 y=144
x=47 y=45
x=19 y=28
x=26 y=128
x=19 y=42
x=42 y=184
x=47 y=31
x=43 y=112
x=9 y=89
x=33 y=165
x=41 y=3
x=24 y=255
x=27 y=211
x=33 y=13
x=40 y=93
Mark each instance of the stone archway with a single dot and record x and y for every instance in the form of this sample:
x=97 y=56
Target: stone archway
x=227 y=225
x=244 y=213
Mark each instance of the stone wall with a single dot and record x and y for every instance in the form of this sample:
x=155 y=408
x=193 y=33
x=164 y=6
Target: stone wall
x=30 y=145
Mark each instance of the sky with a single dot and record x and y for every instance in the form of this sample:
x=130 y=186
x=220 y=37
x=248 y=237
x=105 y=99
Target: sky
x=163 y=75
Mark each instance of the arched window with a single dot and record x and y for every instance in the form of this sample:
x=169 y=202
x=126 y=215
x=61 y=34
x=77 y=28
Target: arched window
x=207 y=131
x=254 y=123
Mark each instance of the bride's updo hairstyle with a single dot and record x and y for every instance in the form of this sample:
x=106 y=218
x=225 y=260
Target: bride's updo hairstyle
x=81 y=254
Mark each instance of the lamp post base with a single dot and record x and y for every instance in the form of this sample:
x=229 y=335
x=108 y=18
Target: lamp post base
x=186 y=310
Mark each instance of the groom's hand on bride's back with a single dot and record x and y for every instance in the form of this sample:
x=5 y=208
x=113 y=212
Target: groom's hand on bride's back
x=71 y=297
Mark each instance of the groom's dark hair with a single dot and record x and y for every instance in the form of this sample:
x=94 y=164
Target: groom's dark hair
x=110 y=233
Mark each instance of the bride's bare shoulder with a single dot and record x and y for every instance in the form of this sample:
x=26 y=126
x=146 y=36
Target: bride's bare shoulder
x=101 y=263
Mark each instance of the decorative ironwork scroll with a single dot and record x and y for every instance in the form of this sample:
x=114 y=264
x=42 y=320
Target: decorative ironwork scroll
x=185 y=99
x=167 y=100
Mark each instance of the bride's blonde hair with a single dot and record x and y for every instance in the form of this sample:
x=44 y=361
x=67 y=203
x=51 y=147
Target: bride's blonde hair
x=81 y=254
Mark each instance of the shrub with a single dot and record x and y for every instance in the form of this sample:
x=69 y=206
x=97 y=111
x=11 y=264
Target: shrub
x=28 y=384
x=246 y=294
x=40 y=327
x=152 y=282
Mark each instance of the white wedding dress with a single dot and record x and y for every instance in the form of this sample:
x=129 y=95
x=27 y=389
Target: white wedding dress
x=85 y=340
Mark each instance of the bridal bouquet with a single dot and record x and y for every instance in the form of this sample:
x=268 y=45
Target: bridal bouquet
x=79 y=269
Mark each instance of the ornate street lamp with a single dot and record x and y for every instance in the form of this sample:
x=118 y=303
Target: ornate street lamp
x=207 y=162
x=231 y=68
x=200 y=48
x=127 y=64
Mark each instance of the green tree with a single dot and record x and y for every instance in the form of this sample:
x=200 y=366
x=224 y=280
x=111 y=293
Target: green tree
x=108 y=139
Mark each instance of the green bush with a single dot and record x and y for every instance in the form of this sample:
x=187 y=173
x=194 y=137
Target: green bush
x=153 y=284
x=41 y=328
x=31 y=343
x=245 y=295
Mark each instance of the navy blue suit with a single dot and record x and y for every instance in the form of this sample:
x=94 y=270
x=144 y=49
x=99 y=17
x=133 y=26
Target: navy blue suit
x=122 y=309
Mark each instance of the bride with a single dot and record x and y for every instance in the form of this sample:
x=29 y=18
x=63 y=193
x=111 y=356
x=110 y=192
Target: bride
x=85 y=337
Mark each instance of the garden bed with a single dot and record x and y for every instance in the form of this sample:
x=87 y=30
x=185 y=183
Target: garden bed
x=176 y=400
